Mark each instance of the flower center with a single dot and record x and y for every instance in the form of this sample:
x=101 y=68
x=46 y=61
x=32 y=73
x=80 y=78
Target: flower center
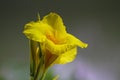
x=51 y=37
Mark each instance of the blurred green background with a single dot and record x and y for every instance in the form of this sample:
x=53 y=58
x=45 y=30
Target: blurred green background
x=96 y=22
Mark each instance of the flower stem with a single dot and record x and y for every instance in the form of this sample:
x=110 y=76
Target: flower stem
x=37 y=70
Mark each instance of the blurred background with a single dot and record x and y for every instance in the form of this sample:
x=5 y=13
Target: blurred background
x=96 y=22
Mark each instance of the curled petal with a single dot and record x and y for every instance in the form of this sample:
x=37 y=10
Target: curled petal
x=36 y=31
x=59 y=49
x=55 y=21
x=67 y=57
x=74 y=41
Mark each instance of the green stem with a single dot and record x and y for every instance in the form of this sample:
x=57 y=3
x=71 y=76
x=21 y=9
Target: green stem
x=38 y=72
x=43 y=75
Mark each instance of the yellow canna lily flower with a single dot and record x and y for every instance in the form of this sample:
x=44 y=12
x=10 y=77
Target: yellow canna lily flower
x=58 y=46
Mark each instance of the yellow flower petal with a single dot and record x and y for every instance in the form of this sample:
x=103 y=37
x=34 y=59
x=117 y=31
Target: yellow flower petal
x=57 y=49
x=55 y=21
x=67 y=57
x=66 y=52
x=73 y=40
x=36 y=31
